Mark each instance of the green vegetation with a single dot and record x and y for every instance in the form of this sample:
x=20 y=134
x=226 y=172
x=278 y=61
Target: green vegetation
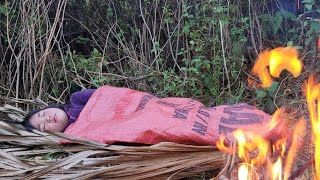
x=199 y=49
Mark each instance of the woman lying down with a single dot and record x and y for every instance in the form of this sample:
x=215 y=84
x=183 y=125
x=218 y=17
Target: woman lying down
x=111 y=114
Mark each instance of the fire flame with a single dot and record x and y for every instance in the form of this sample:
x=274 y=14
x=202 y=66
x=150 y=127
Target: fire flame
x=277 y=169
x=313 y=101
x=243 y=173
x=279 y=59
x=256 y=149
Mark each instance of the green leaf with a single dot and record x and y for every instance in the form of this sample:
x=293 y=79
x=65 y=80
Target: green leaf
x=315 y=26
x=261 y=93
x=207 y=80
x=266 y=17
x=109 y=12
x=186 y=29
x=290 y=44
x=298 y=47
x=180 y=53
x=3 y=10
x=82 y=40
x=277 y=22
x=95 y=51
x=308 y=7
x=208 y=66
x=271 y=105
x=289 y=15
x=291 y=30
x=273 y=89
x=309 y=40
x=309 y=32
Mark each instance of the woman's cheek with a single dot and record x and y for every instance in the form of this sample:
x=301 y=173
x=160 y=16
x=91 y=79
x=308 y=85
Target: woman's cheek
x=42 y=127
x=52 y=127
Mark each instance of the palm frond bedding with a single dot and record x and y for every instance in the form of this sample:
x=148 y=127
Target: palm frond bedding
x=40 y=155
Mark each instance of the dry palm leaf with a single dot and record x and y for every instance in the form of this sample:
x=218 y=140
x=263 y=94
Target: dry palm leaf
x=34 y=155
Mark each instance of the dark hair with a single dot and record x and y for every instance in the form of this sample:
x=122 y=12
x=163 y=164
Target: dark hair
x=26 y=122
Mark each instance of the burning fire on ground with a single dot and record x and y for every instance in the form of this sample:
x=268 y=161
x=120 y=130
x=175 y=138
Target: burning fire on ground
x=276 y=156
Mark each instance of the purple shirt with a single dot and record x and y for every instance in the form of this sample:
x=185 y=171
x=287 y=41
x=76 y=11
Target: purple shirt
x=77 y=102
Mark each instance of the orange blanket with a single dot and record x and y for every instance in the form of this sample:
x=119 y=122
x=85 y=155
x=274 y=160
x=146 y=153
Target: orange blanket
x=123 y=115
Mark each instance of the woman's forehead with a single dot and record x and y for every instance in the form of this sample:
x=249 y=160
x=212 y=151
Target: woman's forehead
x=49 y=110
x=53 y=109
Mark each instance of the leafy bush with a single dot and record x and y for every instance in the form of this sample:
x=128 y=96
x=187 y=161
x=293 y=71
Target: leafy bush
x=197 y=49
x=191 y=46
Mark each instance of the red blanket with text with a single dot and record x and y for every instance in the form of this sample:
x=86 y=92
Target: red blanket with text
x=123 y=115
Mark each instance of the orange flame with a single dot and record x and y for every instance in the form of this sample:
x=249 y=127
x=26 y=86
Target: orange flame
x=222 y=147
x=251 y=142
x=279 y=59
x=243 y=172
x=254 y=147
x=313 y=101
x=276 y=169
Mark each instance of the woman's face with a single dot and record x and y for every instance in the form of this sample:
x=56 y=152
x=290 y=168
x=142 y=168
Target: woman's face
x=51 y=119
